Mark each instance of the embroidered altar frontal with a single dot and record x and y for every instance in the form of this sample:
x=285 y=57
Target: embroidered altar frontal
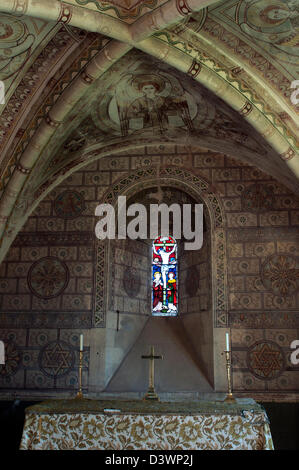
x=140 y=425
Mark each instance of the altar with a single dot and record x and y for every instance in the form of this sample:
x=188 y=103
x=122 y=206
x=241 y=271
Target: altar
x=82 y=424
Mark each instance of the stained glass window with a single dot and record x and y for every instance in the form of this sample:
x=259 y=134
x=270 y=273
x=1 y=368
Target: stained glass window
x=164 y=277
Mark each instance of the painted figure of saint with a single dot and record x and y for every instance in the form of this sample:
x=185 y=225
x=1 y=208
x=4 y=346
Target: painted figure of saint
x=15 y=45
x=151 y=106
x=276 y=23
x=157 y=292
x=172 y=292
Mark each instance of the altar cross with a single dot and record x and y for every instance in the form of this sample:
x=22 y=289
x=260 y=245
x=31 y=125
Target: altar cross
x=151 y=394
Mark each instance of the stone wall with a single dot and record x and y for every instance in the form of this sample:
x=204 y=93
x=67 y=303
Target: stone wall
x=55 y=282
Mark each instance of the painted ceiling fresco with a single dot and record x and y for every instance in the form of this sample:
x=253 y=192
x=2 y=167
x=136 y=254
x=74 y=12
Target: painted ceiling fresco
x=85 y=78
x=272 y=27
x=141 y=101
x=124 y=9
x=21 y=41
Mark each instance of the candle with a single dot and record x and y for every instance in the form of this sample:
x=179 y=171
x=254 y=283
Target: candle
x=81 y=342
x=227 y=341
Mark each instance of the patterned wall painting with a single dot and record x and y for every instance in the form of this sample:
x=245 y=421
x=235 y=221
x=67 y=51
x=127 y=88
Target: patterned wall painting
x=54 y=282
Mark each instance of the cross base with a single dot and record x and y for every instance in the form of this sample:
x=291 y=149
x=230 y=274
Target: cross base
x=151 y=395
x=229 y=398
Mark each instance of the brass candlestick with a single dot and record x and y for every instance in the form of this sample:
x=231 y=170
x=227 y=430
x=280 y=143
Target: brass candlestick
x=80 y=393
x=229 y=397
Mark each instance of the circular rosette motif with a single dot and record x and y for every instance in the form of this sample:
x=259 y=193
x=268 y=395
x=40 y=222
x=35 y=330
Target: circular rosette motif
x=280 y=274
x=56 y=359
x=69 y=204
x=258 y=197
x=12 y=360
x=48 y=277
x=266 y=360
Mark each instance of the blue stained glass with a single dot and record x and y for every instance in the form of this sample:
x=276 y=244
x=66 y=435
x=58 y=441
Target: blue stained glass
x=164 y=277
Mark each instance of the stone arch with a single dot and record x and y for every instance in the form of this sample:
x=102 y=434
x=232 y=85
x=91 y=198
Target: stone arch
x=198 y=189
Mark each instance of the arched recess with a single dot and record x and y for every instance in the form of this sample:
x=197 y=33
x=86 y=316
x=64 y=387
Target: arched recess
x=214 y=324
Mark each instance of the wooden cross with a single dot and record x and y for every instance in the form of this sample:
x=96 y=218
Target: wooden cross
x=151 y=394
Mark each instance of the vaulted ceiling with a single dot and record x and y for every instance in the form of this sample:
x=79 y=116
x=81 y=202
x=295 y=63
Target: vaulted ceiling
x=74 y=74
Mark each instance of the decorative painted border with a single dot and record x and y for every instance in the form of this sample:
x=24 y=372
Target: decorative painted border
x=100 y=288
x=122 y=13
x=49 y=320
x=264 y=319
x=218 y=31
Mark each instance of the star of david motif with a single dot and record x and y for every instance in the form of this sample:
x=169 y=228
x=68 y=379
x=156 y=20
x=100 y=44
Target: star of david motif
x=265 y=360
x=56 y=359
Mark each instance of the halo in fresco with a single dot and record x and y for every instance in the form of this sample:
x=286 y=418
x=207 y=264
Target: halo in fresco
x=11 y=29
x=273 y=23
x=258 y=197
x=15 y=45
